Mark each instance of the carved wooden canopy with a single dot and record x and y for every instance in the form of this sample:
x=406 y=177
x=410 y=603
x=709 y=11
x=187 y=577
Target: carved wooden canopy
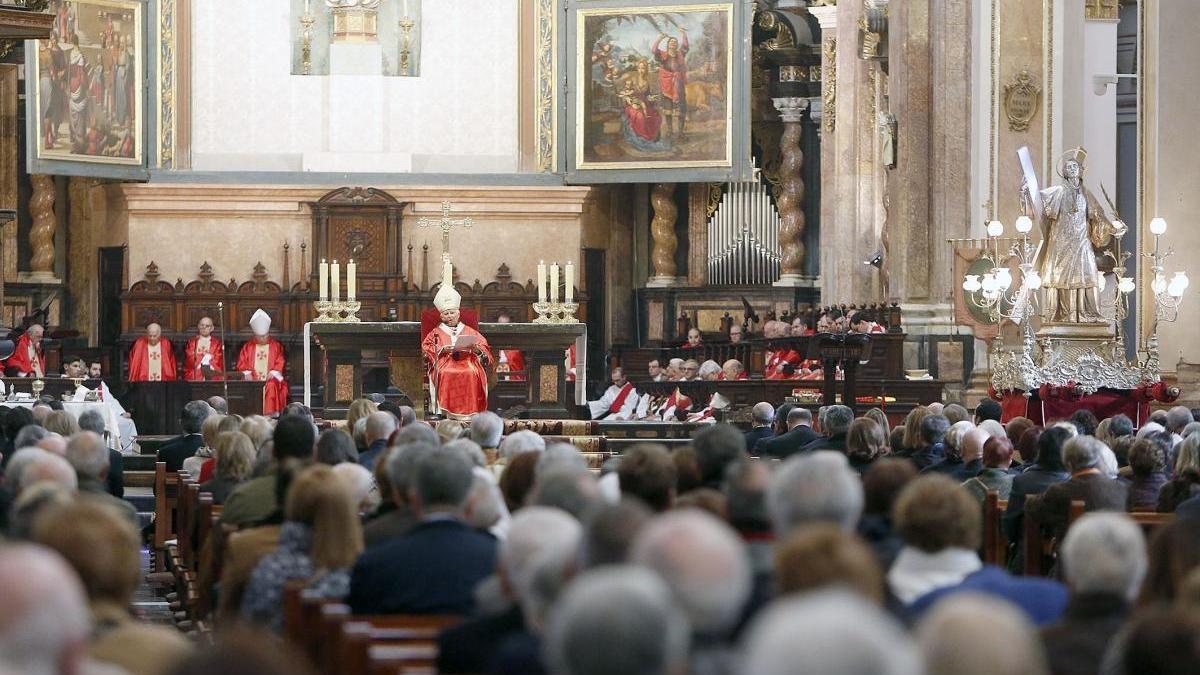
x=363 y=224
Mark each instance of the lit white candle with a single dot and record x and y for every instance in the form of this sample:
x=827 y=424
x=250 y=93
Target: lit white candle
x=323 y=272
x=554 y=282
x=406 y=14
x=569 y=286
x=541 y=278
x=335 y=281
x=351 y=279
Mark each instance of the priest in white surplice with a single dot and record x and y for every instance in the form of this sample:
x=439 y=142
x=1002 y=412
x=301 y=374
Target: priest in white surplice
x=619 y=402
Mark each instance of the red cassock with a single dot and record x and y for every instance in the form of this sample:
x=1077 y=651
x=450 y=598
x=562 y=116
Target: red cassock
x=262 y=366
x=457 y=381
x=511 y=365
x=22 y=362
x=776 y=362
x=147 y=364
x=194 y=354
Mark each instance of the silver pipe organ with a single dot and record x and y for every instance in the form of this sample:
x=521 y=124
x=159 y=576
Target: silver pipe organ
x=743 y=237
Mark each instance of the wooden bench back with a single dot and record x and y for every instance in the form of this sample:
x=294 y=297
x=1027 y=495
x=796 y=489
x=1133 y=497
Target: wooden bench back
x=166 y=501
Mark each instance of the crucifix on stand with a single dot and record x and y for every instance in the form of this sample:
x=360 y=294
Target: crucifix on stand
x=445 y=222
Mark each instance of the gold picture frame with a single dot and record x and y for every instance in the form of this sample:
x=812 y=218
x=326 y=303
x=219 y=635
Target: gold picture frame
x=87 y=82
x=630 y=115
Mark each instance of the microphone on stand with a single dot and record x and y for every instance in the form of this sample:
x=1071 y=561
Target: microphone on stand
x=224 y=378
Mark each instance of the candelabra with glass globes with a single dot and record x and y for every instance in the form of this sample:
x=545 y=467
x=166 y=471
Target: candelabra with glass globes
x=1167 y=294
x=993 y=291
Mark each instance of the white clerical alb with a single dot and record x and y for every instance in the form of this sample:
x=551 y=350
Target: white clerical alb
x=619 y=402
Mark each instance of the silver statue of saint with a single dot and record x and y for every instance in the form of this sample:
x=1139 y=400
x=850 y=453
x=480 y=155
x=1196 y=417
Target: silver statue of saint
x=1073 y=225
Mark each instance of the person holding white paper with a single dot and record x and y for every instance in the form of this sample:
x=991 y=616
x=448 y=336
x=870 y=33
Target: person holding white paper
x=456 y=360
x=204 y=356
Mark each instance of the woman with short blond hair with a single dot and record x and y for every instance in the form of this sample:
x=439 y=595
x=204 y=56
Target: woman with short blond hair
x=62 y=423
x=234 y=455
x=865 y=442
x=912 y=441
x=320 y=538
x=208 y=442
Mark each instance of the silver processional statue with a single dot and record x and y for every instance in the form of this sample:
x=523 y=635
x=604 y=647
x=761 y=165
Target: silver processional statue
x=1073 y=225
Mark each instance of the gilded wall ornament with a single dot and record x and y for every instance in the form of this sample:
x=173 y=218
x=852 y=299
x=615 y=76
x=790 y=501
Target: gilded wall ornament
x=1102 y=10
x=829 y=85
x=1022 y=97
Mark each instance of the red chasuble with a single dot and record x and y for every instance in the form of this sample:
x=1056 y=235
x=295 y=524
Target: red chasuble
x=151 y=363
x=26 y=360
x=457 y=381
x=263 y=361
x=197 y=348
x=777 y=361
x=511 y=365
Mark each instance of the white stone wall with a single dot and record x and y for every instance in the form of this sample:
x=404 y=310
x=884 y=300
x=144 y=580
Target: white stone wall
x=250 y=114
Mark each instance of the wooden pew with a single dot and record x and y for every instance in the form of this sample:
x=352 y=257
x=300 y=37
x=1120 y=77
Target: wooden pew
x=208 y=525
x=1036 y=545
x=392 y=644
x=995 y=544
x=166 y=500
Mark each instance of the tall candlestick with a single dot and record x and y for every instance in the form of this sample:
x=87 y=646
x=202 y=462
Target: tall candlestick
x=335 y=281
x=351 y=279
x=406 y=14
x=569 y=288
x=541 y=277
x=323 y=273
x=554 y=282
x=306 y=6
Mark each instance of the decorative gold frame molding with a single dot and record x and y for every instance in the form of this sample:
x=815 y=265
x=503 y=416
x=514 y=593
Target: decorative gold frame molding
x=545 y=94
x=166 y=83
x=1022 y=98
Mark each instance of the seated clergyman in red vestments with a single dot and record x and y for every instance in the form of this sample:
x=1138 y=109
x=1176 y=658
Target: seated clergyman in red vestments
x=510 y=363
x=152 y=359
x=262 y=360
x=27 y=360
x=456 y=358
x=204 y=356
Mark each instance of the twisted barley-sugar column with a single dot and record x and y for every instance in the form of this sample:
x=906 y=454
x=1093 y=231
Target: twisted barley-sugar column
x=41 y=234
x=791 y=201
x=662 y=228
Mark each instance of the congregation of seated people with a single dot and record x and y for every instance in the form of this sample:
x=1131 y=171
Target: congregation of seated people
x=822 y=543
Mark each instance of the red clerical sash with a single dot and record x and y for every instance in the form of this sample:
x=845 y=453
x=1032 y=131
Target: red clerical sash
x=619 y=401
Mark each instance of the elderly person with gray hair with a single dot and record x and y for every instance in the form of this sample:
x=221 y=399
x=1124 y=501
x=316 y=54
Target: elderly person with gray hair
x=435 y=567
x=1104 y=562
x=88 y=455
x=817 y=487
x=979 y=635
x=380 y=427
x=835 y=426
x=762 y=417
x=520 y=442
x=92 y=420
x=706 y=567
x=30 y=466
x=832 y=632
x=401 y=468
x=618 y=619
x=1084 y=459
x=538 y=537
x=487 y=429
x=45 y=624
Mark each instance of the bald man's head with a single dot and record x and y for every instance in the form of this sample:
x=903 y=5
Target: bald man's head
x=44 y=622
x=971 y=445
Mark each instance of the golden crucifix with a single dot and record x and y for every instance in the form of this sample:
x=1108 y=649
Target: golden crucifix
x=445 y=222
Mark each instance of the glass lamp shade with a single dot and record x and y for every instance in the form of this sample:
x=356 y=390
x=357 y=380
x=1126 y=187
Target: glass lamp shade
x=1004 y=278
x=1024 y=224
x=990 y=284
x=1158 y=226
x=1178 y=285
x=1125 y=284
x=971 y=283
x=995 y=228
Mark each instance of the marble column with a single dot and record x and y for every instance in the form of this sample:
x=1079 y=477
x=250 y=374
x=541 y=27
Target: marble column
x=41 y=234
x=790 y=199
x=662 y=230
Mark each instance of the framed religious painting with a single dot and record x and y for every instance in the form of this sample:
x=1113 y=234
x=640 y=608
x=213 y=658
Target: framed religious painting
x=656 y=91
x=86 y=110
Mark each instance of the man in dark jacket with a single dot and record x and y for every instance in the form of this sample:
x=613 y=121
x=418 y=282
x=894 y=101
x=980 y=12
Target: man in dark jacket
x=837 y=425
x=799 y=434
x=932 y=450
x=435 y=567
x=1104 y=562
x=763 y=417
x=1088 y=484
x=174 y=451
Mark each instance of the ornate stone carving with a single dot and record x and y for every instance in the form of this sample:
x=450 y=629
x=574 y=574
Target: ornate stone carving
x=1102 y=10
x=1022 y=97
x=662 y=229
x=41 y=234
x=829 y=84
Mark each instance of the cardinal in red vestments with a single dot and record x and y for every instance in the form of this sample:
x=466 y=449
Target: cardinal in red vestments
x=204 y=352
x=510 y=364
x=262 y=360
x=26 y=360
x=152 y=359
x=456 y=359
